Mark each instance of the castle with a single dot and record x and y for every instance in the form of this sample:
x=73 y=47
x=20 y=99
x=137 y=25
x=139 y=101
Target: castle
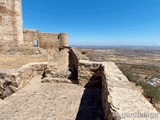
x=118 y=98
x=12 y=32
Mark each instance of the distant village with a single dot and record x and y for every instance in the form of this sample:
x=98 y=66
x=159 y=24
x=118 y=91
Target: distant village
x=154 y=82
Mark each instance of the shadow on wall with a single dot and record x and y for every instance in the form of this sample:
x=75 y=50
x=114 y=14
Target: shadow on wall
x=73 y=67
x=0 y=20
x=91 y=102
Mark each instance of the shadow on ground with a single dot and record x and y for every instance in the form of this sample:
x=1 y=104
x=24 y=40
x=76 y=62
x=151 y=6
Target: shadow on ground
x=91 y=107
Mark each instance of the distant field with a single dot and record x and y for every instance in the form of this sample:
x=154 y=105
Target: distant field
x=130 y=56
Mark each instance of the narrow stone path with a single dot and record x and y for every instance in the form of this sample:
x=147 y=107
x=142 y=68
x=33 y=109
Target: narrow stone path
x=45 y=101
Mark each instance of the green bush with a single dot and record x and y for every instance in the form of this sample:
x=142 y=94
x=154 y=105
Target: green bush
x=138 y=83
x=130 y=75
x=151 y=92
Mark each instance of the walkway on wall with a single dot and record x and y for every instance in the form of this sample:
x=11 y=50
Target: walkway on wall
x=49 y=101
x=65 y=101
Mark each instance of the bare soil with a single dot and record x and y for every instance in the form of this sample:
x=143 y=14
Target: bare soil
x=16 y=61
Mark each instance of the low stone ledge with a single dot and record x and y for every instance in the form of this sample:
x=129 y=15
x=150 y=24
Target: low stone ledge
x=28 y=71
x=18 y=78
x=56 y=80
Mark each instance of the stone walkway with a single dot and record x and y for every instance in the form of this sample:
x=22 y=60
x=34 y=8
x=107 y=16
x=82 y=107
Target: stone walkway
x=66 y=101
x=49 y=101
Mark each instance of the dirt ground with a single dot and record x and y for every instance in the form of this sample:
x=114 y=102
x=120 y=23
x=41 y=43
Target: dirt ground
x=16 y=61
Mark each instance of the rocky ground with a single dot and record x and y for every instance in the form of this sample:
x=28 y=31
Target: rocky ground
x=52 y=101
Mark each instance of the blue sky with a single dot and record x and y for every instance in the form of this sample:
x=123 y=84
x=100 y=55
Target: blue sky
x=97 y=22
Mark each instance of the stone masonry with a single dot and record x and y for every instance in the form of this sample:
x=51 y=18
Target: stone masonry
x=12 y=32
x=121 y=100
x=45 y=40
x=11 y=27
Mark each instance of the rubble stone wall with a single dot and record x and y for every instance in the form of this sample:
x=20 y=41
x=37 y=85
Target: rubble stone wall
x=45 y=40
x=28 y=71
x=93 y=74
x=15 y=79
x=11 y=29
x=30 y=36
x=105 y=98
x=59 y=65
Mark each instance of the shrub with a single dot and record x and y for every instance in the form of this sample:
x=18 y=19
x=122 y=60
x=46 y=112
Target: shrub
x=151 y=92
x=138 y=83
x=130 y=75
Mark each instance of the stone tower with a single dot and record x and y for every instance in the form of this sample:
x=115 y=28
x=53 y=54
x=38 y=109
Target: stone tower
x=11 y=26
x=63 y=39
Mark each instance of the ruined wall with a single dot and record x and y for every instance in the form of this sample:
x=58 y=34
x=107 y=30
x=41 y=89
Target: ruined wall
x=73 y=65
x=11 y=29
x=11 y=22
x=93 y=74
x=63 y=39
x=29 y=36
x=45 y=40
x=48 y=40
x=105 y=98
x=87 y=52
x=58 y=66
x=15 y=79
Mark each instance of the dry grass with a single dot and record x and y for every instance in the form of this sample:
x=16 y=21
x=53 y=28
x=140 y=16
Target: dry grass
x=16 y=61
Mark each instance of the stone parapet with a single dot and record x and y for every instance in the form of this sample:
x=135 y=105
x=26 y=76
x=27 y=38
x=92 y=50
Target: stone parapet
x=120 y=99
x=18 y=78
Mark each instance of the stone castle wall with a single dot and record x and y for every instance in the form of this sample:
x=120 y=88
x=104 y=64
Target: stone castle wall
x=11 y=29
x=45 y=40
x=11 y=22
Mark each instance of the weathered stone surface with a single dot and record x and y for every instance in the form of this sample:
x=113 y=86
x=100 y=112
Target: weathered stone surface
x=16 y=79
x=43 y=101
x=79 y=55
x=59 y=65
x=45 y=40
x=55 y=80
x=11 y=22
x=121 y=98
x=11 y=29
